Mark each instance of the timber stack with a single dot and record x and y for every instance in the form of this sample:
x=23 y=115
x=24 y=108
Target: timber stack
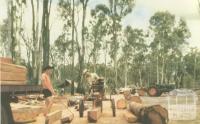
x=11 y=74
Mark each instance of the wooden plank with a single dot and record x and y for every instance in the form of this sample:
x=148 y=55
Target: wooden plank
x=12 y=82
x=94 y=114
x=6 y=67
x=6 y=60
x=130 y=118
x=53 y=117
x=12 y=76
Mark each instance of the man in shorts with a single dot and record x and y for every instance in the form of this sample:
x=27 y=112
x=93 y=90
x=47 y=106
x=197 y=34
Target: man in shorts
x=48 y=90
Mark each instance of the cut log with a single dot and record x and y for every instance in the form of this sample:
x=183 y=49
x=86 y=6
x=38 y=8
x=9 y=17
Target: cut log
x=121 y=104
x=94 y=114
x=129 y=97
x=142 y=92
x=154 y=114
x=26 y=114
x=135 y=108
x=130 y=117
x=127 y=94
x=6 y=60
x=136 y=99
x=66 y=117
x=53 y=117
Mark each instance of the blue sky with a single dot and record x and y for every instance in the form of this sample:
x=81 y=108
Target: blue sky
x=139 y=18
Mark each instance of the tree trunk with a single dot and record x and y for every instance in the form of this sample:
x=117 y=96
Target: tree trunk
x=82 y=54
x=126 y=73
x=15 y=51
x=140 y=75
x=73 y=27
x=34 y=65
x=45 y=31
x=163 y=66
x=157 y=67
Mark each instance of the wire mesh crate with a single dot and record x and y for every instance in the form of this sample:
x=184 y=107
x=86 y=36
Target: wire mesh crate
x=182 y=104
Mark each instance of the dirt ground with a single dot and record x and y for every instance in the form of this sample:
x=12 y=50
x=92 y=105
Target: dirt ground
x=106 y=117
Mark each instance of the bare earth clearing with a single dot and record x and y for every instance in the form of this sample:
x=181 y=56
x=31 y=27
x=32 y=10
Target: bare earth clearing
x=106 y=117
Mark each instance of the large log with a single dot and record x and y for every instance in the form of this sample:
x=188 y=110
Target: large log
x=67 y=117
x=6 y=60
x=53 y=117
x=154 y=114
x=132 y=98
x=121 y=104
x=135 y=99
x=130 y=117
x=94 y=114
x=135 y=108
x=142 y=92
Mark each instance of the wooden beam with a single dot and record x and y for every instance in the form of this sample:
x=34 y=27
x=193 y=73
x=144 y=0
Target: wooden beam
x=53 y=117
x=94 y=114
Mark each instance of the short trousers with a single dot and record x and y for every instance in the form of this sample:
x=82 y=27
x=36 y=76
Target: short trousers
x=47 y=93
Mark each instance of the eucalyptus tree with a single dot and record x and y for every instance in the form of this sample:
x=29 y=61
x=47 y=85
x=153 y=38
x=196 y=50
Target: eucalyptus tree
x=98 y=32
x=192 y=66
x=117 y=9
x=46 y=31
x=169 y=36
x=134 y=51
x=16 y=12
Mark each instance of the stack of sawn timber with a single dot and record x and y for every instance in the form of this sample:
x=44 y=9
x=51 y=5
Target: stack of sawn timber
x=11 y=74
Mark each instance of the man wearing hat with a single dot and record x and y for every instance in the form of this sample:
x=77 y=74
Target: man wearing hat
x=48 y=90
x=91 y=78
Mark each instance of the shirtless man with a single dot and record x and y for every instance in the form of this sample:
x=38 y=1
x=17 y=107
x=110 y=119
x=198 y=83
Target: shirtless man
x=48 y=90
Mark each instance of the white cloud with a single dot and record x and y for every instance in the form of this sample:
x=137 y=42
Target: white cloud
x=187 y=9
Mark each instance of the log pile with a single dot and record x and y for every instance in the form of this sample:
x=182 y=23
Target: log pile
x=137 y=111
x=11 y=74
x=154 y=114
